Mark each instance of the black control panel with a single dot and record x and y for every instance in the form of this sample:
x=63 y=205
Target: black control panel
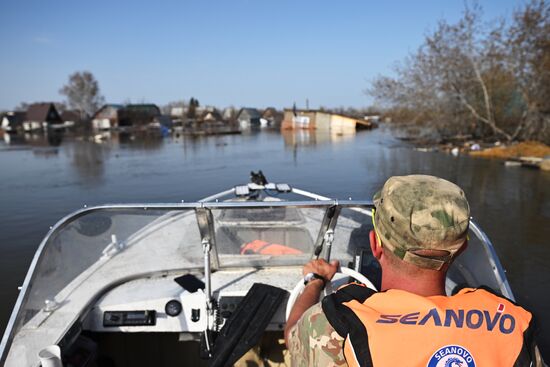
x=129 y=318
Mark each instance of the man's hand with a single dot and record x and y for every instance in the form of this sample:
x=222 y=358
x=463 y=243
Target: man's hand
x=310 y=295
x=321 y=267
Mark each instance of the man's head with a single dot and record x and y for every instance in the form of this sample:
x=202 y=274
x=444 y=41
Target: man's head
x=422 y=220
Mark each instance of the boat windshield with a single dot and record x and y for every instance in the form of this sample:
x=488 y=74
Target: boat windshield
x=96 y=249
x=266 y=236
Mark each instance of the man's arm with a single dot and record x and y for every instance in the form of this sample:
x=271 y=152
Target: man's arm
x=310 y=295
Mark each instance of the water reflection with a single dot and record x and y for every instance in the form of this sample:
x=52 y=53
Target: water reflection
x=13 y=139
x=51 y=138
x=135 y=139
x=146 y=140
x=42 y=145
x=303 y=137
x=88 y=158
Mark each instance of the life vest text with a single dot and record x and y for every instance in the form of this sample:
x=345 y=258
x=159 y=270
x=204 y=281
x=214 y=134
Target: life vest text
x=472 y=319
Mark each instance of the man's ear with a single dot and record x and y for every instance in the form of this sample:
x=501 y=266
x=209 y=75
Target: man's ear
x=375 y=247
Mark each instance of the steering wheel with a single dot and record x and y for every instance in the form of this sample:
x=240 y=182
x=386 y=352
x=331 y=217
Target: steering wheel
x=343 y=270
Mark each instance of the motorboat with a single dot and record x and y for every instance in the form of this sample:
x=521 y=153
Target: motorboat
x=196 y=283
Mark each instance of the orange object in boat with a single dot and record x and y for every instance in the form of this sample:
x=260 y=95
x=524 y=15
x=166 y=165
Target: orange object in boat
x=260 y=247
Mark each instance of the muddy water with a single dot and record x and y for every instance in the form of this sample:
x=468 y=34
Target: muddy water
x=44 y=179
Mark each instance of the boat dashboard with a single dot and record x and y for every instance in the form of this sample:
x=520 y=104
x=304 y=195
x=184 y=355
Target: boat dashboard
x=162 y=304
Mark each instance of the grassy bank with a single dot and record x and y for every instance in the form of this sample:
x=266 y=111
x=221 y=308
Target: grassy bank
x=523 y=149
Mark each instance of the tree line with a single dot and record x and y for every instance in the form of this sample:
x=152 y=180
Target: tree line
x=488 y=80
x=83 y=95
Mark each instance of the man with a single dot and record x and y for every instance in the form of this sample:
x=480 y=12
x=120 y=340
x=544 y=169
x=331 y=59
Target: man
x=420 y=226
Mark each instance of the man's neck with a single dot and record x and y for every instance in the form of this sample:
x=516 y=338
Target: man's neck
x=423 y=285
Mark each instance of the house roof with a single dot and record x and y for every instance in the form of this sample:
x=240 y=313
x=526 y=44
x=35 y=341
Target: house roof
x=252 y=112
x=271 y=112
x=70 y=115
x=143 y=108
x=40 y=112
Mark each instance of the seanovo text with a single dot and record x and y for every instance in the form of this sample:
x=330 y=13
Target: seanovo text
x=472 y=319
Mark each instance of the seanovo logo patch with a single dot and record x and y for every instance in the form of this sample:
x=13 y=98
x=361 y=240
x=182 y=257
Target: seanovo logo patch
x=452 y=356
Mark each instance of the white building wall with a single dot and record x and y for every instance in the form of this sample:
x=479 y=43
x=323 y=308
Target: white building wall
x=101 y=124
x=6 y=124
x=322 y=121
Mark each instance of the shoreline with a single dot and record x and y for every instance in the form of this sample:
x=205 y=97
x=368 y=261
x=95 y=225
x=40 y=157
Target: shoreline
x=532 y=154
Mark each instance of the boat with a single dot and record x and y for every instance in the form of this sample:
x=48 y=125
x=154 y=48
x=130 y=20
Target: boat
x=195 y=283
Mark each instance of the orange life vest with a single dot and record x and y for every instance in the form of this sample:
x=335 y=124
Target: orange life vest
x=396 y=328
x=265 y=248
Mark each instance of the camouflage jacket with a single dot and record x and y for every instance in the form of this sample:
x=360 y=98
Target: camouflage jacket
x=314 y=342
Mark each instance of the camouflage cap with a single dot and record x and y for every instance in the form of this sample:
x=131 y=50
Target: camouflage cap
x=419 y=212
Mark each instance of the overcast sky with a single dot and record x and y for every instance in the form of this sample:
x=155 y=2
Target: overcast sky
x=242 y=53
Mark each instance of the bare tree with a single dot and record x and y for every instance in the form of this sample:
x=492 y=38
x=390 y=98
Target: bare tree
x=60 y=107
x=529 y=61
x=82 y=92
x=474 y=77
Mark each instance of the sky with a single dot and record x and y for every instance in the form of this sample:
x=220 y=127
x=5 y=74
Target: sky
x=241 y=52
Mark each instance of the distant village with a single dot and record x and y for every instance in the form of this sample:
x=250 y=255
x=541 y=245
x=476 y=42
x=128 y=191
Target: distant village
x=191 y=119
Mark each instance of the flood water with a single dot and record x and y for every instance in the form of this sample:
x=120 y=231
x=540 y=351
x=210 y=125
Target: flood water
x=42 y=181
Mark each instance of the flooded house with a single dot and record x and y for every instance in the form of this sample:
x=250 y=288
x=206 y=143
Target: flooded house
x=249 y=117
x=115 y=116
x=210 y=122
x=137 y=115
x=13 y=121
x=322 y=120
x=177 y=114
x=106 y=117
x=207 y=122
x=71 y=117
x=272 y=117
x=40 y=116
x=211 y=116
x=229 y=114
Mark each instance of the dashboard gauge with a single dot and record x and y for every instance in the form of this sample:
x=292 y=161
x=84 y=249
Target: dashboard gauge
x=173 y=308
